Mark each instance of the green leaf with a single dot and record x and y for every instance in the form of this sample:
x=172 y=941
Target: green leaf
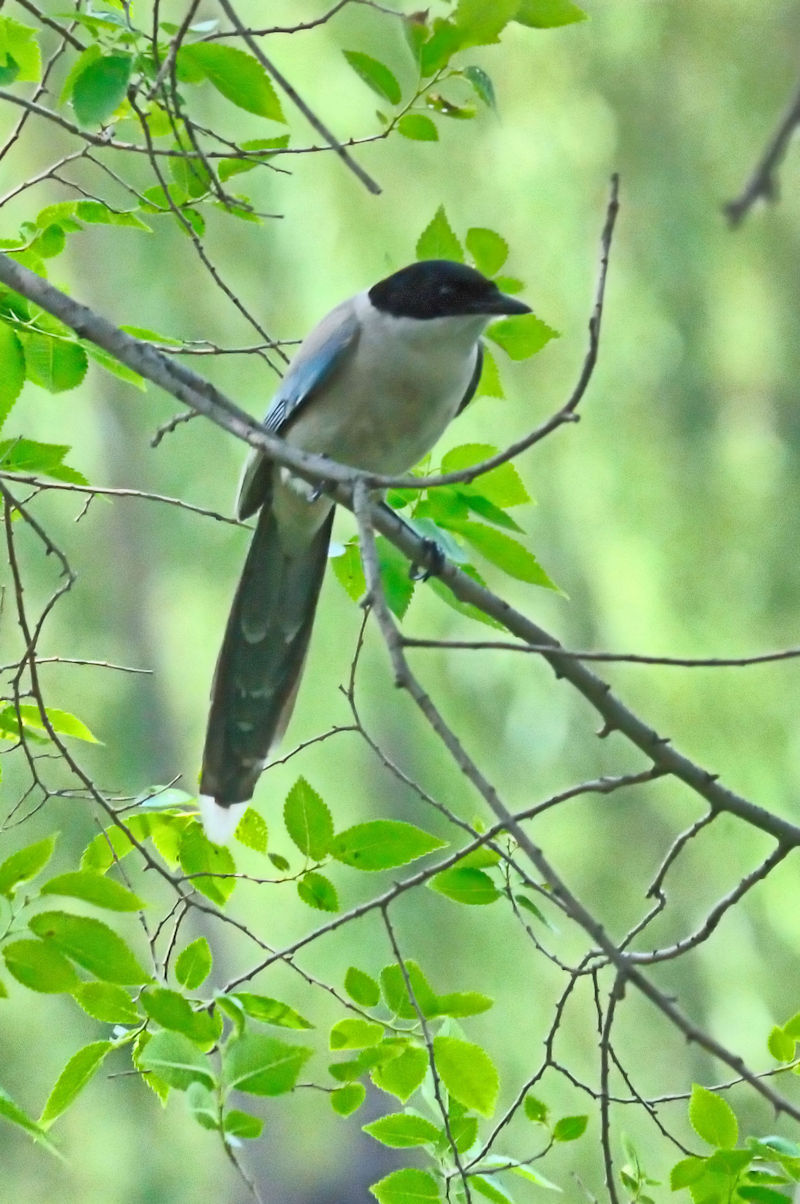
x=168 y=1008
x=505 y=552
x=262 y=1065
x=440 y=47
x=112 y=365
x=318 y=891
x=479 y=23
x=17 y=1116
x=376 y=75
x=438 y=240
x=94 y=888
x=762 y=1195
x=407 y=1186
x=780 y=1045
x=487 y=1185
x=78 y=1071
x=401 y=1130
x=12 y=369
x=546 y=14
x=235 y=74
x=234 y=167
x=489 y=384
x=569 y=1128
x=401 y=1076
x=98 y=213
x=349 y=570
x=465 y=886
x=382 y=844
x=348 y=1099
x=193 y=965
x=25 y=864
x=521 y=336
x=40 y=967
x=107 y=1002
x=199 y=856
x=61 y=722
x=712 y=1117
x=397 y=584
x=20 y=57
x=251 y=831
x=792 y=1027
x=467 y=1072
x=242 y=1125
x=482 y=85
x=502 y=485
x=203 y=1105
x=176 y=1060
x=535 y=1110
x=271 y=1011
x=462 y=1003
x=395 y=991
x=355 y=1033
x=488 y=250
x=308 y=820
x=90 y=943
x=418 y=127
x=100 y=88
x=362 y=988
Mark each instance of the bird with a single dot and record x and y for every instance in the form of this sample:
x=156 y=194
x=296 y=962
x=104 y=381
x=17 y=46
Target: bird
x=372 y=386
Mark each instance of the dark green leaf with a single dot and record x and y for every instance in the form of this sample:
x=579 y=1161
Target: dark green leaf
x=101 y=88
x=90 y=943
x=569 y=1128
x=401 y=1130
x=362 y=988
x=40 y=967
x=382 y=844
x=262 y=1065
x=535 y=1110
x=308 y=820
x=521 y=336
x=193 y=965
x=418 y=127
x=176 y=1060
x=271 y=1011
x=438 y=241
x=546 y=14
x=79 y=1070
x=482 y=84
x=12 y=369
x=235 y=74
x=376 y=75
x=318 y=891
x=94 y=888
x=25 y=864
x=394 y=568
x=407 y=1186
x=467 y=1072
x=465 y=886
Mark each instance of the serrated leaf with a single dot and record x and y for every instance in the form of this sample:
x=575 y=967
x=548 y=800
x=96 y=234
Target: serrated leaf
x=488 y=250
x=507 y=553
x=395 y=991
x=712 y=1117
x=235 y=74
x=100 y=88
x=501 y=485
x=107 y=1002
x=12 y=369
x=79 y=1070
x=521 y=336
x=316 y=890
x=308 y=820
x=349 y=570
x=25 y=864
x=251 y=831
x=90 y=943
x=469 y=886
x=98 y=213
x=348 y=1099
x=468 y=1073
x=176 y=1060
x=547 y=14
x=18 y=46
x=402 y=1075
x=569 y=1128
x=438 y=240
x=375 y=75
x=55 y=364
x=362 y=988
x=355 y=1033
x=193 y=964
x=271 y=1011
x=198 y=855
x=407 y=1186
x=40 y=967
x=382 y=844
x=61 y=722
x=262 y=1065
x=402 y=1130
x=94 y=888
x=418 y=127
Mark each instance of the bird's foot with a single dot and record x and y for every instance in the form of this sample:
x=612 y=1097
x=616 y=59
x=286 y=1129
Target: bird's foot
x=431 y=564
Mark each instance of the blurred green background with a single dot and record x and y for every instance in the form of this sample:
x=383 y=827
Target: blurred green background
x=668 y=516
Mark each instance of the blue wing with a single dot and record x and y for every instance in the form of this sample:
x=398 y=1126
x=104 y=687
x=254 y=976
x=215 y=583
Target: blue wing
x=321 y=354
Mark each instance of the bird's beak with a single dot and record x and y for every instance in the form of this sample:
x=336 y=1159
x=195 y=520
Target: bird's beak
x=505 y=304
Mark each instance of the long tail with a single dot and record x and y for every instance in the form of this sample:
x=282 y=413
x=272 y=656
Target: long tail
x=259 y=667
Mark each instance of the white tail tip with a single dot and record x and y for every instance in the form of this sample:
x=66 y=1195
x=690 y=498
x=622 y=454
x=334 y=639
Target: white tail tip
x=219 y=823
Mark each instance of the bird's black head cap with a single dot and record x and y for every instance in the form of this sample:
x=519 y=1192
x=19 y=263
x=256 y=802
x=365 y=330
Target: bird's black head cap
x=441 y=288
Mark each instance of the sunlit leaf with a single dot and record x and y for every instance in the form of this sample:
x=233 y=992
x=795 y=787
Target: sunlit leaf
x=79 y=1070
